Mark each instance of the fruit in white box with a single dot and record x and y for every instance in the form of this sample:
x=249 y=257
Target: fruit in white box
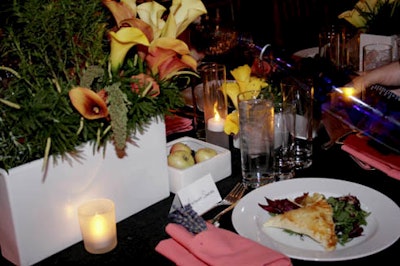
x=180 y=146
x=204 y=154
x=180 y=159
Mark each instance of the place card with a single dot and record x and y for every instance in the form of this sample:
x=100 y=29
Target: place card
x=202 y=195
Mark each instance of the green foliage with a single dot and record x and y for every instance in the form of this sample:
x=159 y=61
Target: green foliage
x=46 y=48
x=384 y=18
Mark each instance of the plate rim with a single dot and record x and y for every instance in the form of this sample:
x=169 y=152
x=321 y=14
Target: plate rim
x=315 y=182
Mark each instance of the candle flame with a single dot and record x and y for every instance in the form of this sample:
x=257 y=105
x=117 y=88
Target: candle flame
x=99 y=225
x=348 y=91
x=217 y=117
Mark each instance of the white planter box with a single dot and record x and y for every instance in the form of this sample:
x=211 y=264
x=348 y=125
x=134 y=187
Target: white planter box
x=219 y=166
x=371 y=39
x=40 y=219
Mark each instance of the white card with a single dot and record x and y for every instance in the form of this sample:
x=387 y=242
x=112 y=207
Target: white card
x=202 y=195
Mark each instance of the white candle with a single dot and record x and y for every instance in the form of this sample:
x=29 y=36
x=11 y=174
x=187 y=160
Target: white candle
x=216 y=124
x=98 y=227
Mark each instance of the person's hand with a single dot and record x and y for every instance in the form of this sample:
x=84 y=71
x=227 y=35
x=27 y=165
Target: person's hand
x=388 y=75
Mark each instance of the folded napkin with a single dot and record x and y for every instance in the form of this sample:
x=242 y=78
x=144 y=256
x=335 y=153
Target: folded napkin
x=177 y=124
x=216 y=246
x=358 y=147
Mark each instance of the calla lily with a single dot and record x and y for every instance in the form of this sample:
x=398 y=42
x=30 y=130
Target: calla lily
x=354 y=17
x=121 y=42
x=145 y=85
x=231 y=125
x=122 y=10
x=88 y=103
x=168 y=55
x=244 y=81
x=232 y=90
x=183 y=12
x=242 y=76
x=151 y=13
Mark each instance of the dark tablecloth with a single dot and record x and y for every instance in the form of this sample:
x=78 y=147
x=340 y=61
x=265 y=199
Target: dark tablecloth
x=139 y=234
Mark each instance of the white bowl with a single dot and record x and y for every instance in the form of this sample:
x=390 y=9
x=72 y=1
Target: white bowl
x=219 y=166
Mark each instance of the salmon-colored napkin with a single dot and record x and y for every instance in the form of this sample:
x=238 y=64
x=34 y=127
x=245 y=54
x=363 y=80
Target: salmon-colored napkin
x=177 y=124
x=358 y=147
x=216 y=246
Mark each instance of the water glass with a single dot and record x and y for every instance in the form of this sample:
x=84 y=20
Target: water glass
x=256 y=122
x=376 y=55
x=284 y=140
x=302 y=96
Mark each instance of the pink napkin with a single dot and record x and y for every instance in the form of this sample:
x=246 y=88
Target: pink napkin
x=177 y=124
x=358 y=147
x=216 y=246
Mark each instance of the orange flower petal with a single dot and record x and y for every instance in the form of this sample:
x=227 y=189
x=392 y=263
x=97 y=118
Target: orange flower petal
x=88 y=103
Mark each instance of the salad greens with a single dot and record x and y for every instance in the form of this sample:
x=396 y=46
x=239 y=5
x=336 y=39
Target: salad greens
x=347 y=214
x=348 y=217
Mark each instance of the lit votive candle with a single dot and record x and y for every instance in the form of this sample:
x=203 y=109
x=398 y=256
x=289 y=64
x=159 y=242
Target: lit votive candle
x=216 y=124
x=98 y=226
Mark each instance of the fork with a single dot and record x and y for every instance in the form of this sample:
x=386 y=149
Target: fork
x=232 y=196
x=236 y=194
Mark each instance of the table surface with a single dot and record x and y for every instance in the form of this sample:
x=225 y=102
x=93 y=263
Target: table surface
x=140 y=233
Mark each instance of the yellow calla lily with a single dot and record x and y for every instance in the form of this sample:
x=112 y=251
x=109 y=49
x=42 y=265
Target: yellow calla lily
x=255 y=84
x=231 y=125
x=121 y=42
x=242 y=76
x=184 y=13
x=353 y=17
x=232 y=90
x=151 y=13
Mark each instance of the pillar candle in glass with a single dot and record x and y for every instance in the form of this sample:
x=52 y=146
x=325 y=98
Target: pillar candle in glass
x=98 y=226
x=215 y=103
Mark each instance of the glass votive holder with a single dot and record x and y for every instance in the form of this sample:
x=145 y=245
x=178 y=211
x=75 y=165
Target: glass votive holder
x=98 y=226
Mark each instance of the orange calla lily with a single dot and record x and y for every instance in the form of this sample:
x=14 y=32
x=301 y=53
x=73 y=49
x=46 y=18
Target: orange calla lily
x=168 y=55
x=121 y=42
x=88 y=103
x=122 y=10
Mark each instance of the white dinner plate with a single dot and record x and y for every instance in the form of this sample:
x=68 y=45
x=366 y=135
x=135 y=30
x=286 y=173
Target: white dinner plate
x=309 y=52
x=382 y=230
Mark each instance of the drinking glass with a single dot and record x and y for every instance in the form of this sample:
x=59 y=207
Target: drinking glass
x=256 y=119
x=376 y=55
x=302 y=96
x=284 y=140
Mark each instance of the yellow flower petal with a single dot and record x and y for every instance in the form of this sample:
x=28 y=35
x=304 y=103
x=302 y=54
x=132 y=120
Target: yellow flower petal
x=185 y=12
x=354 y=18
x=151 y=13
x=232 y=90
x=231 y=125
x=123 y=40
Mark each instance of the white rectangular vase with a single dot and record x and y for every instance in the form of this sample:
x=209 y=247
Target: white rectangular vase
x=39 y=219
x=366 y=38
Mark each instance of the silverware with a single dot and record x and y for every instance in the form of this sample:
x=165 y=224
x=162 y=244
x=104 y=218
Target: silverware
x=237 y=195
x=232 y=196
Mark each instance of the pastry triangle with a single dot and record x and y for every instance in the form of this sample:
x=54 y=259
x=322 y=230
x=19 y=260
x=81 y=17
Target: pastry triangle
x=314 y=219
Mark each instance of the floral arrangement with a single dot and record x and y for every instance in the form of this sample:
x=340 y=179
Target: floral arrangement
x=98 y=71
x=245 y=80
x=381 y=17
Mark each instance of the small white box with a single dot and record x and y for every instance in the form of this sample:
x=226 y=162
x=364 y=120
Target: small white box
x=219 y=166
